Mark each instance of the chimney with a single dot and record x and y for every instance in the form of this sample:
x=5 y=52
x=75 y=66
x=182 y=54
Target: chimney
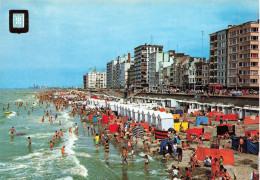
x=204 y=60
x=129 y=57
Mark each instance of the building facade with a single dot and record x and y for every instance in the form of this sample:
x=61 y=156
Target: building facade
x=141 y=60
x=243 y=55
x=95 y=80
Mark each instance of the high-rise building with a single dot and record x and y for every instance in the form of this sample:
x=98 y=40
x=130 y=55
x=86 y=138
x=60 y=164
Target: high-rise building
x=117 y=71
x=95 y=80
x=243 y=55
x=141 y=60
x=158 y=61
x=110 y=72
x=234 y=56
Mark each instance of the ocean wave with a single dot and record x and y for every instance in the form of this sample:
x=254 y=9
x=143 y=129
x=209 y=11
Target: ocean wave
x=143 y=154
x=42 y=135
x=11 y=166
x=65 y=178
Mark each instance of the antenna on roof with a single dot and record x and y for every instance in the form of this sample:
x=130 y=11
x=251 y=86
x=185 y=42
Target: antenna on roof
x=202 y=34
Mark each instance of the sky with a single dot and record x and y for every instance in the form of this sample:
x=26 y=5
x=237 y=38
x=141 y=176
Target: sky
x=67 y=37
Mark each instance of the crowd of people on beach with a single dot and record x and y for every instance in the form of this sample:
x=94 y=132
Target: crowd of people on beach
x=129 y=141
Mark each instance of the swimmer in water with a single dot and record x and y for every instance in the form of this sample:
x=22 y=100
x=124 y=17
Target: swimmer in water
x=53 y=139
x=17 y=113
x=60 y=123
x=63 y=150
x=30 y=142
x=51 y=145
x=12 y=131
x=43 y=119
x=70 y=130
x=61 y=133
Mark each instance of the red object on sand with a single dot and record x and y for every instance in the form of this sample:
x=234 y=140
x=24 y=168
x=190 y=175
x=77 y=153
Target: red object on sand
x=198 y=131
x=229 y=117
x=105 y=119
x=228 y=155
x=253 y=133
x=113 y=128
x=247 y=120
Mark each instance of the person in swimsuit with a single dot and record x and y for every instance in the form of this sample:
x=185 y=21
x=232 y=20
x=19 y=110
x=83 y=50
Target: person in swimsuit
x=12 y=131
x=96 y=140
x=30 y=142
x=42 y=118
x=61 y=133
x=240 y=146
x=51 y=145
x=70 y=130
x=124 y=156
x=53 y=139
x=146 y=162
x=107 y=148
x=63 y=150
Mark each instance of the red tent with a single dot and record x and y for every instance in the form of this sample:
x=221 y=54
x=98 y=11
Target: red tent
x=229 y=117
x=105 y=119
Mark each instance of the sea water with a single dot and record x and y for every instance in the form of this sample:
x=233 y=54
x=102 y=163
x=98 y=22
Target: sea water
x=82 y=159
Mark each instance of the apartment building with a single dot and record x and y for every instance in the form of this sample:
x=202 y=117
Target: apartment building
x=243 y=55
x=94 y=80
x=205 y=75
x=131 y=76
x=117 y=71
x=158 y=61
x=141 y=60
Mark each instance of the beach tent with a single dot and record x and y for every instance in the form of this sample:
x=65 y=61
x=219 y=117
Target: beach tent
x=135 y=113
x=211 y=113
x=165 y=121
x=164 y=144
x=145 y=115
x=155 y=118
x=248 y=146
x=140 y=117
x=112 y=105
x=228 y=155
x=113 y=128
x=223 y=128
x=101 y=103
x=251 y=120
x=141 y=131
x=149 y=116
x=125 y=110
x=201 y=119
x=197 y=131
x=94 y=119
x=129 y=111
x=144 y=125
x=105 y=119
x=177 y=126
x=160 y=134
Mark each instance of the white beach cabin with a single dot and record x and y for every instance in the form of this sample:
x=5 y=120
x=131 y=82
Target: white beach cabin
x=165 y=121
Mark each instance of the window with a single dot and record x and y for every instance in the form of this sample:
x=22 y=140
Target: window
x=254 y=81
x=254 y=55
x=254 y=29
x=254 y=38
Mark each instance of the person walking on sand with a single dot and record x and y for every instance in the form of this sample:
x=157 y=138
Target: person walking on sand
x=124 y=156
x=146 y=162
x=30 y=142
x=240 y=146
